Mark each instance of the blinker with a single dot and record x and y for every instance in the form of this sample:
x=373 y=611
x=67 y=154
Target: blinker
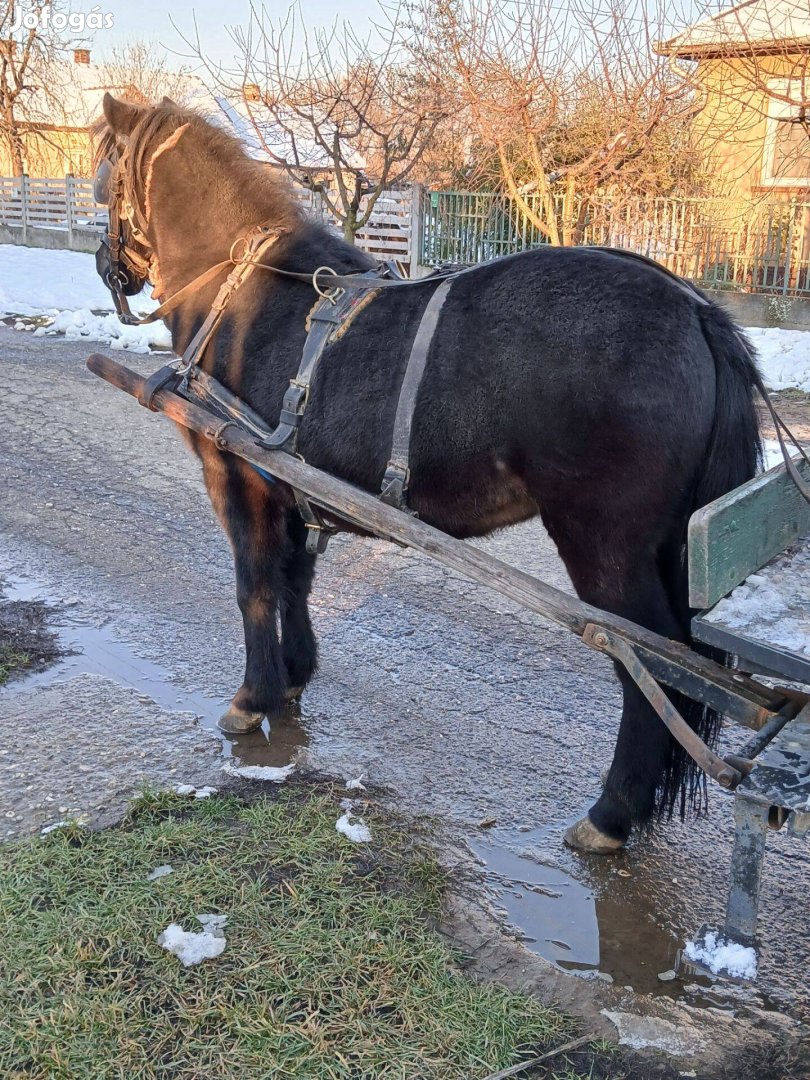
x=101 y=183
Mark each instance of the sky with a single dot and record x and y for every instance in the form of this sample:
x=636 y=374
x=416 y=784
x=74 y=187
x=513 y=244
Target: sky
x=152 y=20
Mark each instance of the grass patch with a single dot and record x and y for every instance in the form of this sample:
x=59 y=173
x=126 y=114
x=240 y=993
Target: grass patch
x=10 y=660
x=331 y=967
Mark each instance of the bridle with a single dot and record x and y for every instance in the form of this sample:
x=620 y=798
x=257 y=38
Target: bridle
x=123 y=263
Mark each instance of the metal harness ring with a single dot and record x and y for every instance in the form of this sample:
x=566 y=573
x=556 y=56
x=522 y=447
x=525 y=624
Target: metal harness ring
x=330 y=294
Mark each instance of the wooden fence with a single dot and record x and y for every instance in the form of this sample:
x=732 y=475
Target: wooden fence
x=67 y=205
x=34 y=203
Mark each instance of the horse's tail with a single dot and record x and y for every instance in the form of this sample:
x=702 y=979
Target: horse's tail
x=731 y=457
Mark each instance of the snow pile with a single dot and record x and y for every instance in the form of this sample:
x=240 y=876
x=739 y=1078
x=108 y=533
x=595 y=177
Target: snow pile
x=772 y=454
x=198 y=793
x=720 y=954
x=65 y=286
x=84 y=324
x=259 y=772
x=772 y=605
x=34 y=281
x=192 y=947
x=784 y=356
x=356 y=831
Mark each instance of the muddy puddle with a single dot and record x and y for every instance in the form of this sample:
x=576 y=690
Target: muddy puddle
x=86 y=649
x=592 y=930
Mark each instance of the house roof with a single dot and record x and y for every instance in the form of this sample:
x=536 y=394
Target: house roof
x=80 y=88
x=760 y=26
x=292 y=142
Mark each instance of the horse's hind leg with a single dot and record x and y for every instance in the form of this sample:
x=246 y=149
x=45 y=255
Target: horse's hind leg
x=298 y=646
x=626 y=581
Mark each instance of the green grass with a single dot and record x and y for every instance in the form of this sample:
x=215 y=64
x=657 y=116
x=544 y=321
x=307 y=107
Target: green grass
x=10 y=660
x=331 y=967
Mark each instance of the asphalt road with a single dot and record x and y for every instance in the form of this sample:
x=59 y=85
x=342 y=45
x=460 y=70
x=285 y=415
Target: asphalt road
x=465 y=706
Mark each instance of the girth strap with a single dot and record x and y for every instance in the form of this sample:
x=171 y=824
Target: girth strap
x=397 y=473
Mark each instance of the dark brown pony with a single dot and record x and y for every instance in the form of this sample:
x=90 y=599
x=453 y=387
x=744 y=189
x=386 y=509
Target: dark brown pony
x=571 y=383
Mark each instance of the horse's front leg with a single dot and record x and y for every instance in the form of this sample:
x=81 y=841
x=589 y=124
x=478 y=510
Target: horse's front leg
x=298 y=645
x=254 y=515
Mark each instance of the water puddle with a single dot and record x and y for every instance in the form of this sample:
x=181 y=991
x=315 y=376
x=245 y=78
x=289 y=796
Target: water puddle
x=595 y=931
x=95 y=650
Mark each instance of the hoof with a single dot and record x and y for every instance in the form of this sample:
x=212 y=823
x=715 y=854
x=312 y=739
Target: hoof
x=237 y=721
x=293 y=693
x=585 y=836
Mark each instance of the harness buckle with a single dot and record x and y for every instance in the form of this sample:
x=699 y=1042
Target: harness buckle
x=395 y=487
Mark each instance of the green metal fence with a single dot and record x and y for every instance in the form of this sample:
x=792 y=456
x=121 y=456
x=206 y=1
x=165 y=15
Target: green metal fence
x=755 y=245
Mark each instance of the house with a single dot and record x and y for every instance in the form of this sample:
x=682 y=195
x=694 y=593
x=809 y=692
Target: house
x=751 y=69
x=55 y=122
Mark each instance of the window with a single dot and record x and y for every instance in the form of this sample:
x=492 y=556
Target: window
x=786 y=153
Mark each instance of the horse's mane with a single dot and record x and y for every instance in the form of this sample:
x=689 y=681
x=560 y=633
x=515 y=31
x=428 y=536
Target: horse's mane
x=257 y=183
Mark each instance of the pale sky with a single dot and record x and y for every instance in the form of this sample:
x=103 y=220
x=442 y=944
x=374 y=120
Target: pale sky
x=152 y=20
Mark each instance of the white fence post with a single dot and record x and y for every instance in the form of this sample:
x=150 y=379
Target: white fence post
x=70 y=205
x=415 y=240
x=24 y=205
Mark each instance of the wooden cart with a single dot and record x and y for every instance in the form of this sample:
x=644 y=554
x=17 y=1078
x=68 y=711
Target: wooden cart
x=728 y=540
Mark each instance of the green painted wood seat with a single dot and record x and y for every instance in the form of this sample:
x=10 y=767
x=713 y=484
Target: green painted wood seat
x=735 y=535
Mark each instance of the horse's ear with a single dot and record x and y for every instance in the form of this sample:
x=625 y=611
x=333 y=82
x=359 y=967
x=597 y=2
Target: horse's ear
x=167 y=101
x=122 y=116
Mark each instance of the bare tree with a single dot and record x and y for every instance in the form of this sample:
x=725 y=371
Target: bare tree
x=29 y=56
x=569 y=101
x=336 y=114
x=142 y=73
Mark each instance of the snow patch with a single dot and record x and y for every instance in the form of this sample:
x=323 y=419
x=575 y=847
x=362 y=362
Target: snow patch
x=356 y=831
x=35 y=281
x=197 y=792
x=784 y=356
x=720 y=954
x=213 y=924
x=65 y=286
x=191 y=947
x=653 y=1032
x=259 y=772
x=53 y=827
x=77 y=819
x=159 y=872
x=772 y=605
x=86 y=325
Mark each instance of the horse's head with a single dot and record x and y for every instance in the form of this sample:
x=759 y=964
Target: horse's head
x=126 y=139
x=180 y=190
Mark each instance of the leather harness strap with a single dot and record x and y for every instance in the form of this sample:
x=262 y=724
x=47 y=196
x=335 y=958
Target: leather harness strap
x=325 y=319
x=256 y=244
x=397 y=474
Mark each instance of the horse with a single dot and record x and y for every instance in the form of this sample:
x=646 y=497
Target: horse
x=596 y=391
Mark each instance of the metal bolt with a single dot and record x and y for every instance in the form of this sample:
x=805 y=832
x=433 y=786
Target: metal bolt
x=601 y=640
